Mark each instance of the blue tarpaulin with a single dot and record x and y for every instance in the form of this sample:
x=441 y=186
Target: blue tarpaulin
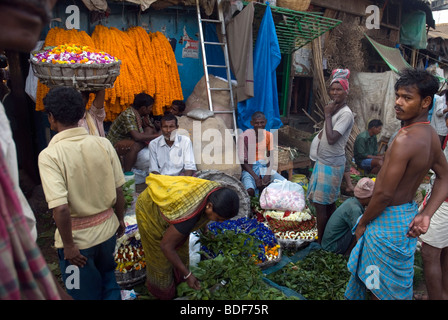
x=266 y=59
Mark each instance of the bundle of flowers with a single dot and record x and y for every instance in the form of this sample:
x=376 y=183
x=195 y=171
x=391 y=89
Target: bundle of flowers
x=291 y=225
x=130 y=257
x=129 y=254
x=243 y=232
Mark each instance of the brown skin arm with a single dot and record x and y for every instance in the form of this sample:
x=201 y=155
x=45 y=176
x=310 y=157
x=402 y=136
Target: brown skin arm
x=439 y=193
x=148 y=134
x=98 y=102
x=63 y=221
x=332 y=135
x=170 y=241
x=119 y=210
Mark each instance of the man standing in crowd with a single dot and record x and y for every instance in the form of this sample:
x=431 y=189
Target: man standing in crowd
x=25 y=274
x=325 y=182
x=365 y=148
x=383 y=258
x=82 y=180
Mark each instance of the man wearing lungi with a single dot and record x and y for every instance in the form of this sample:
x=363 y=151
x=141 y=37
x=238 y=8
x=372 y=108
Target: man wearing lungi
x=383 y=258
x=325 y=182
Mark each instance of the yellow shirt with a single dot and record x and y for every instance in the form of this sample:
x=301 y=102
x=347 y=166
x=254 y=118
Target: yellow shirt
x=82 y=171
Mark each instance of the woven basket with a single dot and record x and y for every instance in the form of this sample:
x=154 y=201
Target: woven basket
x=284 y=155
x=84 y=77
x=296 y=5
x=129 y=279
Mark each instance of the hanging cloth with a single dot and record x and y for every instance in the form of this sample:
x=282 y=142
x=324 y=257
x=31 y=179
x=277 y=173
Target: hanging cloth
x=266 y=59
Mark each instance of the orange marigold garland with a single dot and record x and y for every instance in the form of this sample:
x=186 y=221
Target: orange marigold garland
x=148 y=65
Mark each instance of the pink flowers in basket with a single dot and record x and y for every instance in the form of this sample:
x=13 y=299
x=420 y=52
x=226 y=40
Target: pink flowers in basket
x=73 y=53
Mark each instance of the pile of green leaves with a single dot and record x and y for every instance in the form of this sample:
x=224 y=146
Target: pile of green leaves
x=321 y=275
x=235 y=264
x=244 y=281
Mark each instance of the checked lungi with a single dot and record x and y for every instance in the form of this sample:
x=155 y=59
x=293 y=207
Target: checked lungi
x=325 y=183
x=383 y=258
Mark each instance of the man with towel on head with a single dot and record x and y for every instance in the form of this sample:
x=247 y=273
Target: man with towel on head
x=383 y=259
x=325 y=182
x=338 y=236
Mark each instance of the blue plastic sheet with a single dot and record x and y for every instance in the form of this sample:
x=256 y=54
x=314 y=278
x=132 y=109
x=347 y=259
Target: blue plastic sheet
x=267 y=57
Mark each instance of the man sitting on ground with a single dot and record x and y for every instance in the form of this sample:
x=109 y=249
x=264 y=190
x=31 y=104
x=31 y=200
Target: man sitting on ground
x=255 y=147
x=366 y=148
x=338 y=236
x=171 y=153
x=177 y=108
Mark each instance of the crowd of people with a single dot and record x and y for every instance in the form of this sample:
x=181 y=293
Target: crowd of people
x=82 y=173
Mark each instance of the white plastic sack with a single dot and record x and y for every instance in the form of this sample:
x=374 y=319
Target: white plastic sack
x=283 y=195
x=141 y=166
x=195 y=246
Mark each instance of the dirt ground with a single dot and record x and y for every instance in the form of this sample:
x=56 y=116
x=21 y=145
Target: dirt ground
x=46 y=228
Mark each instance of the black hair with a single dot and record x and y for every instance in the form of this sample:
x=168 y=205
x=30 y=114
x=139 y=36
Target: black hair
x=257 y=115
x=142 y=100
x=226 y=202
x=66 y=104
x=180 y=104
x=375 y=123
x=426 y=83
x=169 y=117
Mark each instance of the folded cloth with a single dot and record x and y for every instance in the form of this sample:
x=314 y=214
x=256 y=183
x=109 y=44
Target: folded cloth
x=383 y=258
x=341 y=76
x=325 y=183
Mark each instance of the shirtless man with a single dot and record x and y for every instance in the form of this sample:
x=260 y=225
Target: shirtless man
x=382 y=260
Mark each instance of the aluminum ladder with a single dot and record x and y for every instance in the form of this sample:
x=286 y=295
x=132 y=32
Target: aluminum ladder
x=223 y=44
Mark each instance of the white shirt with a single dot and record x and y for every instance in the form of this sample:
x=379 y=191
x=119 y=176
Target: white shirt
x=438 y=117
x=172 y=160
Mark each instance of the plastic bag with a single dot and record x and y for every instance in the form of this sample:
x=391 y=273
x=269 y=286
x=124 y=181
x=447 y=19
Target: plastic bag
x=195 y=247
x=283 y=195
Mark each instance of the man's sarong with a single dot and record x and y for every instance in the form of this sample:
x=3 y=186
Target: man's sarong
x=325 y=183
x=383 y=258
x=168 y=200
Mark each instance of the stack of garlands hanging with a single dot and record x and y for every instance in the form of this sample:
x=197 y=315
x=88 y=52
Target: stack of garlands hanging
x=148 y=65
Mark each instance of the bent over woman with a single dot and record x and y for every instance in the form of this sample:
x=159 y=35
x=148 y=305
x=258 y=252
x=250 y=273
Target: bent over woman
x=167 y=211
